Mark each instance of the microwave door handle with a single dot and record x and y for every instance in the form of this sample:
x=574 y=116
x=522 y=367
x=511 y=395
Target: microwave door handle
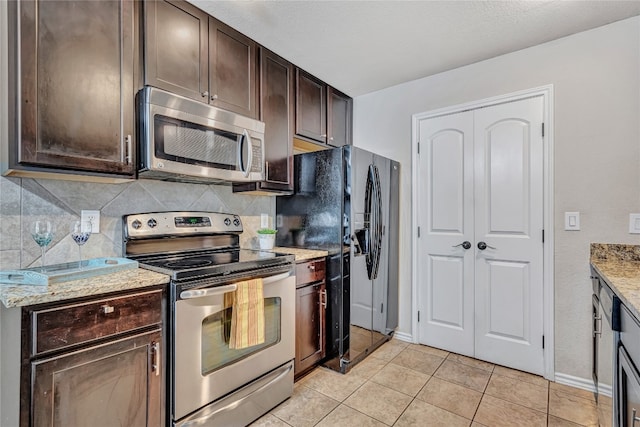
x=247 y=138
x=249 y=152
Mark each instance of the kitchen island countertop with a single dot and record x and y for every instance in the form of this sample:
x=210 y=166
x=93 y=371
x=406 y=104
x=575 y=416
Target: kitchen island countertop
x=12 y=295
x=619 y=267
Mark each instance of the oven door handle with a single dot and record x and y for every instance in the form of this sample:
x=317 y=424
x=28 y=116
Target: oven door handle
x=201 y=293
x=220 y=290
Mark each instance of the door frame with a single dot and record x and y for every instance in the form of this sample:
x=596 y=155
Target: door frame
x=548 y=208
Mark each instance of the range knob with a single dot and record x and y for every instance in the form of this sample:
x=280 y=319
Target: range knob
x=227 y=222
x=236 y=222
x=136 y=224
x=152 y=223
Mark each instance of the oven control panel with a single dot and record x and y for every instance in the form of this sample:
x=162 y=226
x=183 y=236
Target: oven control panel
x=180 y=223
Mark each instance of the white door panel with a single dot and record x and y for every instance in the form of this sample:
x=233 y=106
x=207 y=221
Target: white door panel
x=508 y=217
x=446 y=306
x=446 y=174
x=481 y=180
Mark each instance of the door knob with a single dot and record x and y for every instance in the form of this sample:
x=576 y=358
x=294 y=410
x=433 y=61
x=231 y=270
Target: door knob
x=482 y=246
x=465 y=245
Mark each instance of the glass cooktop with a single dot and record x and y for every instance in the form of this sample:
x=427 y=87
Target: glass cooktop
x=191 y=265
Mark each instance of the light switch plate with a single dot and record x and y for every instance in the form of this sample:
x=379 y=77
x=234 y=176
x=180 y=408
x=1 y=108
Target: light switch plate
x=264 y=220
x=634 y=223
x=572 y=221
x=94 y=217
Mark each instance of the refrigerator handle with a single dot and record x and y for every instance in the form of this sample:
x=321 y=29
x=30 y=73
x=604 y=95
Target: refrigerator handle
x=377 y=223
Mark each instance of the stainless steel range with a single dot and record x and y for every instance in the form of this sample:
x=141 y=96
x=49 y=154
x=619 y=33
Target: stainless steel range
x=212 y=379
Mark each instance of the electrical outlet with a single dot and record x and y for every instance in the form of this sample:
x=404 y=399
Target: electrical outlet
x=93 y=217
x=264 y=220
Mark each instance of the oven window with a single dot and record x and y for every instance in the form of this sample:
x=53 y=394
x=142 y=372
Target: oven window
x=216 y=329
x=191 y=143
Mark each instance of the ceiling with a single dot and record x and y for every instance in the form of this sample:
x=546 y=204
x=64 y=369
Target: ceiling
x=364 y=46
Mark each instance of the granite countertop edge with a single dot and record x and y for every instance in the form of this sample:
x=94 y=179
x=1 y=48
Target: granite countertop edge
x=12 y=295
x=301 y=254
x=619 y=267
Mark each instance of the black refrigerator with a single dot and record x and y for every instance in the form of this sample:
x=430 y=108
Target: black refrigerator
x=346 y=201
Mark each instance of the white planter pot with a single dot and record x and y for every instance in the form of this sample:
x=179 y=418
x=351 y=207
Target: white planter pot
x=266 y=240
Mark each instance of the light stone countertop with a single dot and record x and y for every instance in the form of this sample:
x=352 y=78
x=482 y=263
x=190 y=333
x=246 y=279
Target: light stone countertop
x=301 y=254
x=619 y=267
x=12 y=295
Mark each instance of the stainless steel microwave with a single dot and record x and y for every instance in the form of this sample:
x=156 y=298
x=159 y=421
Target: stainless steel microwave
x=185 y=140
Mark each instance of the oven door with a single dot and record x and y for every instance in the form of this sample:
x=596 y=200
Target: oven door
x=204 y=367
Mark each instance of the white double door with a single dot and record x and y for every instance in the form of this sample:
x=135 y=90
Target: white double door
x=480 y=257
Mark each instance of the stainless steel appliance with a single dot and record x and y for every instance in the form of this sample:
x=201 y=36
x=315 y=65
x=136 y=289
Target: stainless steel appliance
x=186 y=140
x=628 y=402
x=606 y=324
x=210 y=382
x=346 y=202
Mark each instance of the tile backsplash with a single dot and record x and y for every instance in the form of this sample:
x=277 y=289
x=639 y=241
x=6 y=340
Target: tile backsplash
x=23 y=200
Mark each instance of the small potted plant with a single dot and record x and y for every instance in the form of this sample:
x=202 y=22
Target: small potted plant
x=266 y=237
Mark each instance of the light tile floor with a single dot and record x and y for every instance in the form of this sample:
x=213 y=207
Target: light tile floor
x=403 y=384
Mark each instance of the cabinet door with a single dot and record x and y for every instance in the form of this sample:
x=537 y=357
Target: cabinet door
x=176 y=48
x=232 y=70
x=311 y=107
x=276 y=111
x=118 y=383
x=77 y=85
x=339 y=108
x=310 y=325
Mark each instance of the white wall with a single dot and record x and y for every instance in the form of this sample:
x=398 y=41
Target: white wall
x=596 y=78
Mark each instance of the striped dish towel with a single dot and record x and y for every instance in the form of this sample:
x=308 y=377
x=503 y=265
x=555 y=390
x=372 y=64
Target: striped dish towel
x=247 y=318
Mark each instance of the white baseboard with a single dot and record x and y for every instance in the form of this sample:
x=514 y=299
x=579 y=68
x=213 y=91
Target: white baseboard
x=402 y=336
x=577 y=382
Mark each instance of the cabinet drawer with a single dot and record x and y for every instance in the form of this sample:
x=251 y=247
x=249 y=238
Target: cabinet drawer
x=69 y=325
x=311 y=271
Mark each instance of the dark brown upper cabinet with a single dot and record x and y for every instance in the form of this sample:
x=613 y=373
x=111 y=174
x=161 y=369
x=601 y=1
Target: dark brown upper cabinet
x=276 y=90
x=232 y=70
x=175 y=42
x=73 y=84
x=189 y=53
x=339 y=118
x=311 y=107
x=323 y=114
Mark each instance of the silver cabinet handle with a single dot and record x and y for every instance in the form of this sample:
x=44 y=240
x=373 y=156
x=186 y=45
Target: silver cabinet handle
x=128 y=157
x=214 y=97
x=205 y=94
x=155 y=361
x=482 y=246
x=634 y=418
x=597 y=331
x=465 y=245
x=107 y=309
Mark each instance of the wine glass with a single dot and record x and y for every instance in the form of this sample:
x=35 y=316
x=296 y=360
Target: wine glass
x=80 y=233
x=42 y=233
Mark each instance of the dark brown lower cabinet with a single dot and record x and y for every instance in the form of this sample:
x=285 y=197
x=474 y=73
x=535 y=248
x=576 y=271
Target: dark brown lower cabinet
x=113 y=384
x=94 y=362
x=311 y=305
